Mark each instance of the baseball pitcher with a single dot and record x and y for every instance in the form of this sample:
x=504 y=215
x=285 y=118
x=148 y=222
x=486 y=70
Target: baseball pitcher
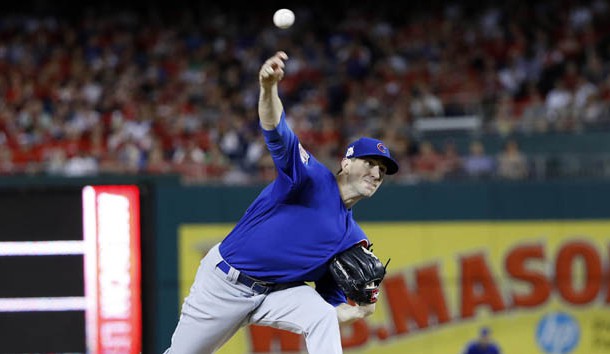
x=299 y=229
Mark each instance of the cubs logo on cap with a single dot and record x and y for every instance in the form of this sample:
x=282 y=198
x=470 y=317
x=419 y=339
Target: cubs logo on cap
x=375 y=148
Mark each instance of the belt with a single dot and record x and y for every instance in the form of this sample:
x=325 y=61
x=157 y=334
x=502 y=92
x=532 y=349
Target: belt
x=258 y=286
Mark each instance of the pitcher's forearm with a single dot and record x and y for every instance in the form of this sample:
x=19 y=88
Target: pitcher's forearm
x=269 y=107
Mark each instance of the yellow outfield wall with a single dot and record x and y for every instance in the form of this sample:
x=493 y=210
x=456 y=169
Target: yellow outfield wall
x=539 y=286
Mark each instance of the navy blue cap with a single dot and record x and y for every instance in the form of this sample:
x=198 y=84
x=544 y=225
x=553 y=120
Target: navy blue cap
x=364 y=147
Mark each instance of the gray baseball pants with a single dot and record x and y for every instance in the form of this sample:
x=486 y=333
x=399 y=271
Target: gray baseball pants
x=218 y=306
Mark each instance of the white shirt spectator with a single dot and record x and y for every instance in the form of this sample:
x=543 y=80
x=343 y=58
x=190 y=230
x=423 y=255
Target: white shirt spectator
x=80 y=166
x=558 y=101
x=584 y=90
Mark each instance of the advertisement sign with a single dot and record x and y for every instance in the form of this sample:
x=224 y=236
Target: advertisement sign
x=537 y=287
x=111 y=224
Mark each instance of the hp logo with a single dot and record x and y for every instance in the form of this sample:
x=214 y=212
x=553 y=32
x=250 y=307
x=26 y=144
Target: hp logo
x=558 y=333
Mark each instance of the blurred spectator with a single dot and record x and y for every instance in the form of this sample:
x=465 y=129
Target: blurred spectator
x=451 y=161
x=428 y=164
x=424 y=103
x=583 y=90
x=477 y=164
x=512 y=164
x=483 y=344
x=157 y=162
x=231 y=139
x=110 y=163
x=80 y=165
x=558 y=105
x=7 y=166
x=255 y=151
x=533 y=117
x=505 y=119
x=594 y=111
x=190 y=160
x=216 y=164
x=130 y=157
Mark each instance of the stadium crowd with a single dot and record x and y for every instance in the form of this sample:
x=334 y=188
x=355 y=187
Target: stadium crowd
x=176 y=92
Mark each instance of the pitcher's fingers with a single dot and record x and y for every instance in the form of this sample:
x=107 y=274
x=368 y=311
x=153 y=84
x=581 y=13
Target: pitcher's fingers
x=282 y=55
x=275 y=62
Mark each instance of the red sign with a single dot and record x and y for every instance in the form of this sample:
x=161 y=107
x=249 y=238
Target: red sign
x=111 y=219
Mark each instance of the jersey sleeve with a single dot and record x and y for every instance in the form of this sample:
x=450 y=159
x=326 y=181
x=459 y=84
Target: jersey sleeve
x=289 y=157
x=330 y=292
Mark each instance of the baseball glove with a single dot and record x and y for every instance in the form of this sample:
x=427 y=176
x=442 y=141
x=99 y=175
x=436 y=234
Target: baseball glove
x=358 y=272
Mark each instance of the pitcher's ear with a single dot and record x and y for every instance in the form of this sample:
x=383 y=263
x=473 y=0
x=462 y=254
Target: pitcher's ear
x=344 y=163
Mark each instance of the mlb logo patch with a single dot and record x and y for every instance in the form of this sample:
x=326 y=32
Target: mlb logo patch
x=349 y=152
x=304 y=154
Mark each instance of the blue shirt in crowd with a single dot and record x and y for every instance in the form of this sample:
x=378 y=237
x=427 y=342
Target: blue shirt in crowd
x=479 y=348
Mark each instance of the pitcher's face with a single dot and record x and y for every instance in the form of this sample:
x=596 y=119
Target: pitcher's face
x=365 y=175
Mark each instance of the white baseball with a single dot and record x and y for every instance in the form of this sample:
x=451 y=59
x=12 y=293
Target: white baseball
x=283 y=18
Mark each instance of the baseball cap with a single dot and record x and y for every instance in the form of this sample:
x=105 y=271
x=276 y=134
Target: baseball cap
x=364 y=147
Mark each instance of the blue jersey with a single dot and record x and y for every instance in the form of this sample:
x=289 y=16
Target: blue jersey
x=478 y=348
x=296 y=224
